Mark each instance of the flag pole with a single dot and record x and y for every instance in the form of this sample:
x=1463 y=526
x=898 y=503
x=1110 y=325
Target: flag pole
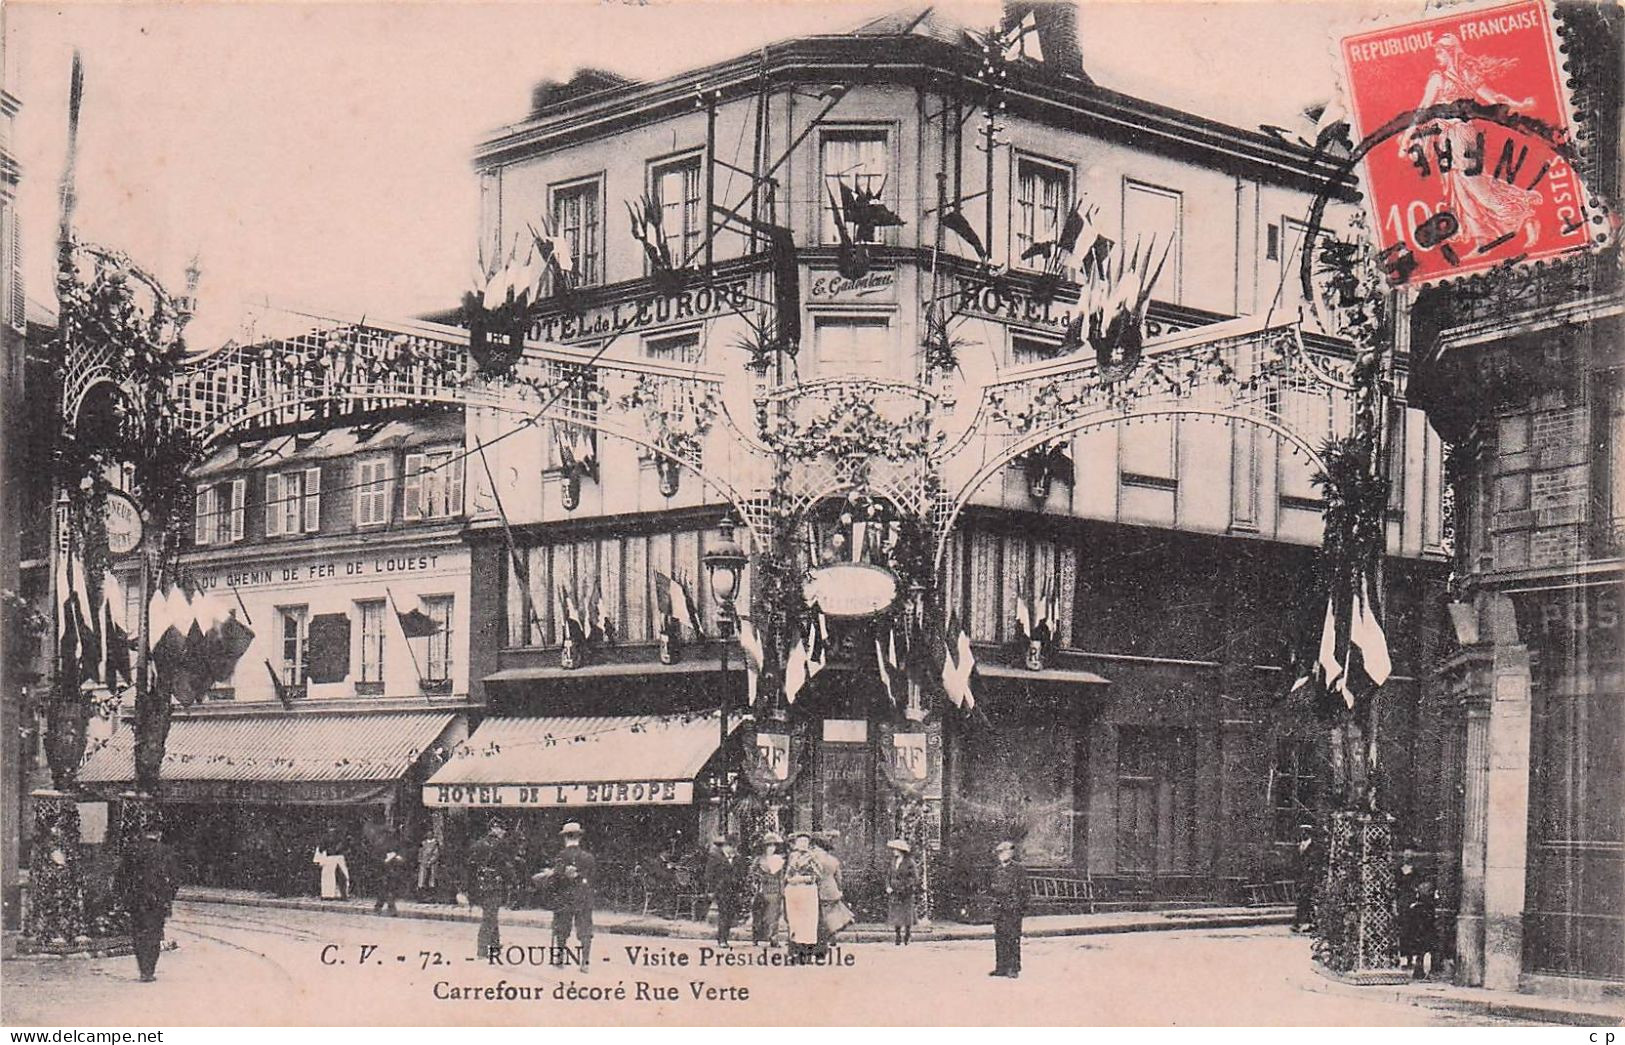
x=521 y=574
x=417 y=668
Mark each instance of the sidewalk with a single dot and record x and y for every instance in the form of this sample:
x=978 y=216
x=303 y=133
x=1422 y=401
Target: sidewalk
x=1549 y=1008
x=650 y=925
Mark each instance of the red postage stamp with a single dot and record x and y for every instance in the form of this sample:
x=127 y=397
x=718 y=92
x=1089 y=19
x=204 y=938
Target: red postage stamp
x=1466 y=132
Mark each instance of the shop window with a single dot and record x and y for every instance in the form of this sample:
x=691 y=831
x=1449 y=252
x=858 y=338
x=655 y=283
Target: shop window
x=295 y=621
x=293 y=502
x=858 y=160
x=1294 y=788
x=1151 y=212
x=577 y=210
x=854 y=346
x=374 y=489
x=372 y=645
x=437 y=659
x=432 y=487
x=675 y=188
x=1043 y=193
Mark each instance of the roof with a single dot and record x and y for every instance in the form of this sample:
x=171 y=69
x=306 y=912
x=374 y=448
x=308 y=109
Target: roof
x=331 y=443
x=282 y=748
x=1074 y=676
x=552 y=673
x=583 y=750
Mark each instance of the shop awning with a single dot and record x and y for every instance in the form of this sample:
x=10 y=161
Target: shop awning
x=1075 y=676
x=309 y=759
x=532 y=763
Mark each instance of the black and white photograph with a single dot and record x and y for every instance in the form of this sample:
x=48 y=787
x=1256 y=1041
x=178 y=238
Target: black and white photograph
x=811 y=513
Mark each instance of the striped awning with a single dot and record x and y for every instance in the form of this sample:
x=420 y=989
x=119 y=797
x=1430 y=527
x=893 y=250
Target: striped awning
x=532 y=762
x=315 y=758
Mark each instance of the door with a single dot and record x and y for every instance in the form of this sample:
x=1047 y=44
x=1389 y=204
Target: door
x=1154 y=776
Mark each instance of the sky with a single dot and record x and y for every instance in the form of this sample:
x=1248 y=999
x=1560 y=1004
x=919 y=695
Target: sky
x=319 y=155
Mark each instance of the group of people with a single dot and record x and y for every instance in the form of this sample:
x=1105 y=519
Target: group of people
x=398 y=865
x=1414 y=894
x=569 y=886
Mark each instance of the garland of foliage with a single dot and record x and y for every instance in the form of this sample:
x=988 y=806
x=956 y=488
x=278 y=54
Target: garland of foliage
x=851 y=432
x=675 y=432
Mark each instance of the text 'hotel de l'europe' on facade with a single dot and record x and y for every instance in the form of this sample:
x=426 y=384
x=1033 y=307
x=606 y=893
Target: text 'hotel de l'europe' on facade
x=401 y=674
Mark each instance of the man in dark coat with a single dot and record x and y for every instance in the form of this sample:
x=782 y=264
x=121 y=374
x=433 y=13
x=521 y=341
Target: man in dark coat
x=722 y=882
x=490 y=866
x=573 y=881
x=393 y=868
x=147 y=878
x=1308 y=874
x=1009 y=890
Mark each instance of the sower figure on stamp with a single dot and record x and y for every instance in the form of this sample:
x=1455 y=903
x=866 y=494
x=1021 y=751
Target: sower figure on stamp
x=572 y=881
x=722 y=882
x=1009 y=890
x=489 y=868
x=147 y=878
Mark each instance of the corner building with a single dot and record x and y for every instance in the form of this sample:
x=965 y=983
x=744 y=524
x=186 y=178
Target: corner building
x=1151 y=758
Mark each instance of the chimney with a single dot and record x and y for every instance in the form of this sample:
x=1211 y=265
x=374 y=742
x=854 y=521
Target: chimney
x=1057 y=22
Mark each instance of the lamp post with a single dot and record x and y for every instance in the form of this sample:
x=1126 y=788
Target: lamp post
x=724 y=568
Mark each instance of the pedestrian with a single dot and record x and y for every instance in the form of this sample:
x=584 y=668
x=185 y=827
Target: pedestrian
x=488 y=875
x=722 y=882
x=767 y=891
x=900 y=892
x=573 y=881
x=429 y=866
x=1308 y=857
x=147 y=878
x=801 y=874
x=1009 y=889
x=833 y=913
x=392 y=872
x=1416 y=929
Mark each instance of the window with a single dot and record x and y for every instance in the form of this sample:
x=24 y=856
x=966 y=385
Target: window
x=433 y=487
x=674 y=348
x=220 y=510
x=1147 y=452
x=1043 y=193
x=1294 y=790
x=437 y=665
x=295 y=643
x=1150 y=212
x=1024 y=350
x=675 y=188
x=374 y=491
x=130 y=584
x=854 y=346
x=1296 y=236
x=854 y=158
x=372 y=640
x=576 y=218
x=293 y=503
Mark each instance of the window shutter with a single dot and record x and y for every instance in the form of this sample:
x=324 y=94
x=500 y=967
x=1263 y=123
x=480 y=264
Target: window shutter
x=329 y=659
x=204 y=515
x=273 y=505
x=313 y=499
x=18 y=304
x=364 y=476
x=412 y=497
x=239 y=504
x=454 y=488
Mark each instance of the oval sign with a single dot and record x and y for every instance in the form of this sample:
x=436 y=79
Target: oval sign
x=124 y=529
x=852 y=589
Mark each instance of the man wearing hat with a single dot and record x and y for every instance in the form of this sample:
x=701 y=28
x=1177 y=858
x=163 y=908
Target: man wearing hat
x=1009 y=890
x=573 y=879
x=722 y=882
x=490 y=869
x=148 y=876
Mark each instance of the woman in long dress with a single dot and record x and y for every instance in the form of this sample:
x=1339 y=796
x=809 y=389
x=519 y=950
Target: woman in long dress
x=331 y=865
x=1485 y=207
x=801 y=877
x=767 y=888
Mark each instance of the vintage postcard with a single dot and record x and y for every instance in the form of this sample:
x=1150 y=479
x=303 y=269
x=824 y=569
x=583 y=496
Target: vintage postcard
x=783 y=513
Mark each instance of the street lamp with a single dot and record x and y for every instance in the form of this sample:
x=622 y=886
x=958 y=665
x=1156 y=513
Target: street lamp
x=724 y=568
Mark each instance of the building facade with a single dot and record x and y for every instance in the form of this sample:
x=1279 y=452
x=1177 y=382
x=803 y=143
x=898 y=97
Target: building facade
x=1152 y=753
x=1520 y=372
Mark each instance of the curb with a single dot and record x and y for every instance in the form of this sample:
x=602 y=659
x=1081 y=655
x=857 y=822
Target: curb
x=1534 y=1009
x=529 y=918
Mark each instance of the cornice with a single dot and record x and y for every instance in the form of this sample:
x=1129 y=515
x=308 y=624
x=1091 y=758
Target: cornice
x=912 y=61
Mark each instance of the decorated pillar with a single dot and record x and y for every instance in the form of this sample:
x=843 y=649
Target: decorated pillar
x=55 y=914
